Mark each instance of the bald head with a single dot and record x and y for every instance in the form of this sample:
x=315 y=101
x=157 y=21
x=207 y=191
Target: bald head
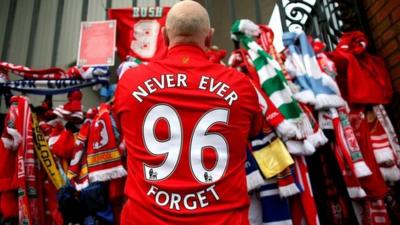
x=188 y=22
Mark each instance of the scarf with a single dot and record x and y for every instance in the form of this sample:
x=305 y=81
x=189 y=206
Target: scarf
x=53 y=73
x=103 y=156
x=275 y=210
x=130 y=62
x=45 y=155
x=271 y=154
x=27 y=170
x=267 y=43
x=344 y=159
x=50 y=87
x=384 y=120
x=273 y=159
x=359 y=72
x=303 y=207
x=350 y=144
x=384 y=154
x=254 y=179
x=317 y=88
x=270 y=75
x=78 y=170
x=274 y=118
x=374 y=185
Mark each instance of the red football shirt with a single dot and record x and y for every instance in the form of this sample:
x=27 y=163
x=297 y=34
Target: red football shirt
x=186 y=123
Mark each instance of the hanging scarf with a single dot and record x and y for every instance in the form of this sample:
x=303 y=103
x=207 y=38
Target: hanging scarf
x=360 y=72
x=78 y=170
x=374 y=185
x=384 y=154
x=344 y=159
x=53 y=73
x=103 y=156
x=384 y=120
x=27 y=192
x=303 y=206
x=317 y=88
x=254 y=178
x=267 y=43
x=351 y=145
x=275 y=119
x=50 y=87
x=130 y=62
x=275 y=209
x=45 y=155
x=270 y=75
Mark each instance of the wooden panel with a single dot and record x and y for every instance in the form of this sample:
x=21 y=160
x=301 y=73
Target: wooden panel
x=96 y=10
x=4 y=6
x=20 y=33
x=43 y=47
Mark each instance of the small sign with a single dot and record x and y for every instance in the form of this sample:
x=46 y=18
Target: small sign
x=97 y=43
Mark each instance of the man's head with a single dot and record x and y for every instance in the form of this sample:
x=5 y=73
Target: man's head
x=188 y=22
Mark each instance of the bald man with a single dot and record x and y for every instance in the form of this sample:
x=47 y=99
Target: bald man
x=186 y=123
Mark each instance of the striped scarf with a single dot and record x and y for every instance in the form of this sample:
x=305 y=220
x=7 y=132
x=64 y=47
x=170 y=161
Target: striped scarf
x=270 y=74
x=317 y=88
x=103 y=156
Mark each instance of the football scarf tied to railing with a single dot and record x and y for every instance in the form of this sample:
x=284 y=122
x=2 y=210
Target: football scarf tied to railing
x=51 y=81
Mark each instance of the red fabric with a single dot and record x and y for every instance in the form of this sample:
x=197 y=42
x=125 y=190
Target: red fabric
x=8 y=169
x=215 y=55
x=229 y=204
x=374 y=185
x=9 y=204
x=303 y=206
x=64 y=146
x=362 y=77
x=103 y=157
x=139 y=32
x=345 y=162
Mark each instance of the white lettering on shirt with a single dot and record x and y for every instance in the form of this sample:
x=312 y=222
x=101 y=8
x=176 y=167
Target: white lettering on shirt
x=219 y=88
x=206 y=83
x=189 y=201
x=164 y=81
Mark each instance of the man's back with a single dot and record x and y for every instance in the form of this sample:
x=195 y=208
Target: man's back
x=186 y=123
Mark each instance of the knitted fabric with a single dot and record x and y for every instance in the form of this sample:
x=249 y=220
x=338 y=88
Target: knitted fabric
x=77 y=170
x=275 y=210
x=351 y=145
x=317 y=88
x=103 y=156
x=274 y=118
x=253 y=175
x=344 y=159
x=374 y=185
x=303 y=206
x=384 y=154
x=270 y=75
x=359 y=72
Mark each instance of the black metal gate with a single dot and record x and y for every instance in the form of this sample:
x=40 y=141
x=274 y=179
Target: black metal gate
x=325 y=19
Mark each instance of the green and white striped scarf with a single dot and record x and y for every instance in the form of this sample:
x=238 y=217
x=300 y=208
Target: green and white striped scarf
x=269 y=72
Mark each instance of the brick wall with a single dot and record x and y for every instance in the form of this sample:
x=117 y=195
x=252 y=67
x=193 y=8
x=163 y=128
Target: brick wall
x=384 y=23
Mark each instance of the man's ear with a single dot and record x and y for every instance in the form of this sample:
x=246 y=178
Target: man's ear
x=208 y=40
x=165 y=36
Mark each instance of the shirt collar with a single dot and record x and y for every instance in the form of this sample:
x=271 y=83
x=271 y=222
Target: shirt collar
x=187 y=50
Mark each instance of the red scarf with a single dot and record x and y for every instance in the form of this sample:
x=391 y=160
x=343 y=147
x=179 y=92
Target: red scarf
x=373 y=185
x=78 y=170
x=363 y=77
x=103 y=156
